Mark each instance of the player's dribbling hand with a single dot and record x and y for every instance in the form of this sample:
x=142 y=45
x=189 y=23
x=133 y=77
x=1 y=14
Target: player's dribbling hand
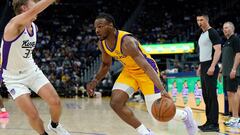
x=91 y=86
x=164 y=93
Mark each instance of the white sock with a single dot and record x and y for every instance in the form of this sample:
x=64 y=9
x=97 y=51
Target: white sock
x=180 y=115
x=3 y=110
x=142 y=130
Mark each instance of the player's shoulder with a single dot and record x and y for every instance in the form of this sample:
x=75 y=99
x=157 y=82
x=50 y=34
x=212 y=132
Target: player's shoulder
x=235 y=37
x=129 y=39
x=10 y=24
x=14 y=21
x=129 y=43
x=14 y=24
x=12 y=30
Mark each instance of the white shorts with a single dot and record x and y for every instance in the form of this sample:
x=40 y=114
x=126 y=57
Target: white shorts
x=20 y=83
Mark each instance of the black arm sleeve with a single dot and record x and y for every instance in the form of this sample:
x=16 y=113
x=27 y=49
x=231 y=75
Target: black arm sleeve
x=236 y=44
x=214 y=36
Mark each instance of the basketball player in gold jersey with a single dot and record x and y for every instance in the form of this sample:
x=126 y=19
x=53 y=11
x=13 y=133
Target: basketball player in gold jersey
x=140 y=71
x=20 y=73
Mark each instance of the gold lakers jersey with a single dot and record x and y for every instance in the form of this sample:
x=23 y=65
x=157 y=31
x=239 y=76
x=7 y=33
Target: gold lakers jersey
x=129 y=64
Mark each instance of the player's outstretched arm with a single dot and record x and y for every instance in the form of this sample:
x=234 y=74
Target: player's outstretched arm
x=19 y=22
x=28 y=16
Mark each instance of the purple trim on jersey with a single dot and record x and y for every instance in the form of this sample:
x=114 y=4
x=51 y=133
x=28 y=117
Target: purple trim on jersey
x=156 y=90
x=15 y=38
x=121 y=43
x=6 y=48
x=111 y=50
x=32 y=31
x=153 y=64
x=149 y=60
x=1 y=78
x=5 y=53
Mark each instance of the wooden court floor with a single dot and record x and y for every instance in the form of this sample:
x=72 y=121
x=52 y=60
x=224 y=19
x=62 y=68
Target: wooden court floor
x=84 y=116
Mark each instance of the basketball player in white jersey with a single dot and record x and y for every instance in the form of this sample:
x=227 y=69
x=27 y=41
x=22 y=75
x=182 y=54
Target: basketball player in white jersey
x=19 y=71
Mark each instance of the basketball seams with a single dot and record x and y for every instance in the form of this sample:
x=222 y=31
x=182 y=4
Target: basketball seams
x=160 y=108
x=163 y=109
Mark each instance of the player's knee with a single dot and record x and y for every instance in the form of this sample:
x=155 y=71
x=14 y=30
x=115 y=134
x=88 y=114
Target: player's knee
x=115 y=105
x=55 y=101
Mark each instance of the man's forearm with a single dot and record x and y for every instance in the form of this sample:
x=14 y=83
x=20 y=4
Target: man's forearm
x=236 y=61
x=154 y=77
x=102 y=72
x=216 y=58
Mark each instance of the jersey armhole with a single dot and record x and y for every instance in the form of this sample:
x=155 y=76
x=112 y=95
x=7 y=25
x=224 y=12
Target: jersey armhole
x=121 y=43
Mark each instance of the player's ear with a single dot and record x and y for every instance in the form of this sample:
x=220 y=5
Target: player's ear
x=23 y=8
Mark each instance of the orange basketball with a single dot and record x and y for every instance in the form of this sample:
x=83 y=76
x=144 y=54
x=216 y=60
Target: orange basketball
x=163 y=109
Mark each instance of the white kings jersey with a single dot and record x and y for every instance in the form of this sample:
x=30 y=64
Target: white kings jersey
x=16 y=55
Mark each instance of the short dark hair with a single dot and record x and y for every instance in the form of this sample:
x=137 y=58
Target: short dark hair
x=108 y=17
x=205 y=15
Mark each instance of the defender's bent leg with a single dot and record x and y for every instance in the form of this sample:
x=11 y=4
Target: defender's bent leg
x=118 y=103
x=26 y=105
x=48 y=94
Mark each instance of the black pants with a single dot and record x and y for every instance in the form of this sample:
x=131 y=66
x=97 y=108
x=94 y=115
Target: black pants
x=209 y=92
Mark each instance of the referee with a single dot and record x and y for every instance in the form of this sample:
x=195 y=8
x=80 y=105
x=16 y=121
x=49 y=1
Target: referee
x=231 y=71
x=209 y=53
